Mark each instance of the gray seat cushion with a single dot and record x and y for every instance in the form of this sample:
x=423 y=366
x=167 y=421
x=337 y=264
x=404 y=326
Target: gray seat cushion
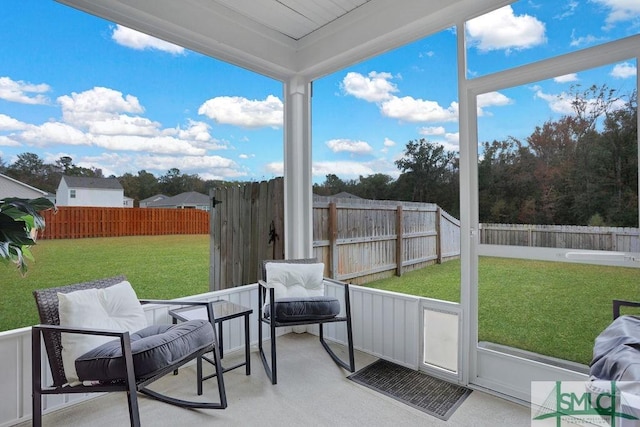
x=304 y=309
x=154 y=348
x=616 y=352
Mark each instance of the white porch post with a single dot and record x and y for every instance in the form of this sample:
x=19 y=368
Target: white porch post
x=298 y=198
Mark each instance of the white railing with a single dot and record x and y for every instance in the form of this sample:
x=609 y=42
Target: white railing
x=385 y=324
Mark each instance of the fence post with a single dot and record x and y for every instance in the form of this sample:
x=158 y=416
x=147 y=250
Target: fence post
x=333 y=239
x=399 y=245
x=438 y=235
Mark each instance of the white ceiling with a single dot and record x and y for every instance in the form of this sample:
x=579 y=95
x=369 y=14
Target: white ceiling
x=283 y=38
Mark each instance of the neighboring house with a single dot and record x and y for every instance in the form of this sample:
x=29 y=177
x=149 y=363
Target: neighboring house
x=10 y=187
x=128 y=202
x=89 y=191
x=188 y=200
x=145 y=202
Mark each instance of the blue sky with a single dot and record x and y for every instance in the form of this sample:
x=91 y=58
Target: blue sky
x=75 y=85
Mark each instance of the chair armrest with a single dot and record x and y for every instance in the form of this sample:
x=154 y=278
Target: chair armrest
x=83 y=331
x=123 y=336
x=622 y=303
x=335 y=281
x=265 y=284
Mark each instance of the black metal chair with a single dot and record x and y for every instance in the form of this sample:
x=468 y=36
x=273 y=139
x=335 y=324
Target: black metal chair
x=126 y=380
x=617 y=304
x=276 y=311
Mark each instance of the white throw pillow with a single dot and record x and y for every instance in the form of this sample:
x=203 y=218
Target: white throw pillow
x=114 y=308
x=295 y=280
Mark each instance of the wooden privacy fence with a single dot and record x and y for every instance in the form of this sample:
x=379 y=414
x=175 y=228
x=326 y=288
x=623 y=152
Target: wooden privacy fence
x=363 y=240
x=75 y=222
x=358 y=240
x=622 y=239
x=247 y=226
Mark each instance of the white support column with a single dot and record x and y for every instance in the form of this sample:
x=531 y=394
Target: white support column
x=298 y=197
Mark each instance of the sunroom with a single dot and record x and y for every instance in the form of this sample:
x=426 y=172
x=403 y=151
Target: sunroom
x=297 y=43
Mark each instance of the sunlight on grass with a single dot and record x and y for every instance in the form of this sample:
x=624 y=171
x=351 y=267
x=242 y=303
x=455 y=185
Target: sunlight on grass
x=156 y=266
x=551 y=308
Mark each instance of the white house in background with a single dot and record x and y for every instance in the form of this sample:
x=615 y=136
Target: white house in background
x=89 y=191
x=128 y=202
x=145 y=202
x=188 y=200
x=10 y=187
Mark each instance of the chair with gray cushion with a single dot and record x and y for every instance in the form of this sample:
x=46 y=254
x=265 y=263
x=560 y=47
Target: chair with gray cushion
x=292 y=293
x=97 y=341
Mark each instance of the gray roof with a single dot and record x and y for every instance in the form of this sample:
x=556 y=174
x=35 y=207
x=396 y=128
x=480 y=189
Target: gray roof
x=92 y=182
x=151 y=199
x=11 y=187
x=190 y=198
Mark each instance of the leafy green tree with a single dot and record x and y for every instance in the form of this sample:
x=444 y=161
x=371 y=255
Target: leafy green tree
x=426 y=166
x=374 y=187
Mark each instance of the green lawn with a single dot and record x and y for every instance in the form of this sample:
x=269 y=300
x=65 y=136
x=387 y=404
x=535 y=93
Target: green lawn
x=551 y=308
x=156 y=266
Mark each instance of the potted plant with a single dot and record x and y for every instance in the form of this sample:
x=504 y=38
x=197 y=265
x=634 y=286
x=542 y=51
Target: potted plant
x=20 y=220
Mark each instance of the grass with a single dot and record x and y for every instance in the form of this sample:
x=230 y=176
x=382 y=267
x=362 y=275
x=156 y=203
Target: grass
x=551 y=308
x=556 y=309
x=156 y=266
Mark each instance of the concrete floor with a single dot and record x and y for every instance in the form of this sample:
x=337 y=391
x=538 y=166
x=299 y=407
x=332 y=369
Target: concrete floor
x=311 y=391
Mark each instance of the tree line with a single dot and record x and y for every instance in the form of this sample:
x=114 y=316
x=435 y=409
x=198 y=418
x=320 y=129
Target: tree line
x=31 y=169
x=581 y=169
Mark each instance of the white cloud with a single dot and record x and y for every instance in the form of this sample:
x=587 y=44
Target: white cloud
x=349 y=146
x=238 y=111
x=52 y=133
x=562 y=103
x=584 y=40
x=158 y=144
x=86 y=108
x=7 y=141
x=493 y=99
x=343 y=169
x=620 y=11
x=387 y=143
x=567 y=10
x=410 y=109
x=567 y=78
x=23 y=92
x=624 y=71
x=105 y=118
x=450 y=140
x=207 y=167
x=124 y=125
x=502 y=30
x=9 y=123
x=374 y=88
x=432 y=130
x=136 y=40
x=377 y=88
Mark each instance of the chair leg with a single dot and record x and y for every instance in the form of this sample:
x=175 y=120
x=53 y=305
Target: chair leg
x=269 y=368
x=132 y=392
x=274 y=363
x=351 y=366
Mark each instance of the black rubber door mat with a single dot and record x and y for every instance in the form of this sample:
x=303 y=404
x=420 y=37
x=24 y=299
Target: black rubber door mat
x=417 y=389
